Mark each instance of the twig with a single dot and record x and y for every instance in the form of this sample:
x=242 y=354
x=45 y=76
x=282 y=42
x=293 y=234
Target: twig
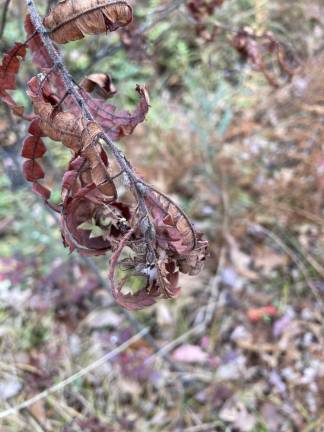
x=4 y=17
x=170 y=345
x=211 y=306
x=162 y=14
x=203 y=427
x=295 y=258
x=35 y=423
x=57 y=387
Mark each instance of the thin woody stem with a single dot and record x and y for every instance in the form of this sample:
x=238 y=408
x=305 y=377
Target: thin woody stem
x=4 y=17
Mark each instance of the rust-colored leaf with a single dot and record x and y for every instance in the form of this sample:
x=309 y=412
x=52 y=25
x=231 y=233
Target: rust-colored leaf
x=8 y=71
x=193 y=262
x=41 y=190
x=258 y=313
x=76 y=212
x=35 y=128
x=10 y=66
x=143 y=298
x=32 y=170
x=33 y=148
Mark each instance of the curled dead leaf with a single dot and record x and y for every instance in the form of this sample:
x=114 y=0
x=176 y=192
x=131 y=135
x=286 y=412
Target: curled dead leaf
x=99 y=84
x=265 y=54
x=93 y=153
x=8 y=71
x=71 y=20
x=56 y=124
x=174 y=230
x=118 y=124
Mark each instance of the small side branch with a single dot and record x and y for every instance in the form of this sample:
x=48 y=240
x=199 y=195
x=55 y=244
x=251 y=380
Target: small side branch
x=4 y=17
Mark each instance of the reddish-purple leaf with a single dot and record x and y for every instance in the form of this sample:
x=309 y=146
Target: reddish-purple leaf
x=69 y=179
x=118 y=124
x=10 y=66
x=32 y=170
x=33 y=148
x=35 y=128
x=8 y=71
x=41 y=191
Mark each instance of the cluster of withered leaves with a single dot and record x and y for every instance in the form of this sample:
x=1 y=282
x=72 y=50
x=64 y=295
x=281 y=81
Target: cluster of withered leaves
x=134 y=41
x=266 y=55
x=200 y=10
x=159 y=238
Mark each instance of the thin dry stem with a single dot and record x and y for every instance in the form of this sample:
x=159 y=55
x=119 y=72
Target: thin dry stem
x=57 y=387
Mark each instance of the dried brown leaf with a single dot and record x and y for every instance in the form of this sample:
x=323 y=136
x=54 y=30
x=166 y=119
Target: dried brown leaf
x=174 y=229
x=71 y=20
x=99 y=84
x=59 y=126
x=93 y=152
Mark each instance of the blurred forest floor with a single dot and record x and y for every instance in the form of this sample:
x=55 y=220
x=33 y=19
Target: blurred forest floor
x=242 y=348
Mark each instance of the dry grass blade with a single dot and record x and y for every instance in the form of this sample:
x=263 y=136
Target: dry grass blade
x=300 y=264
x=44 y=394
x=72 y=20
